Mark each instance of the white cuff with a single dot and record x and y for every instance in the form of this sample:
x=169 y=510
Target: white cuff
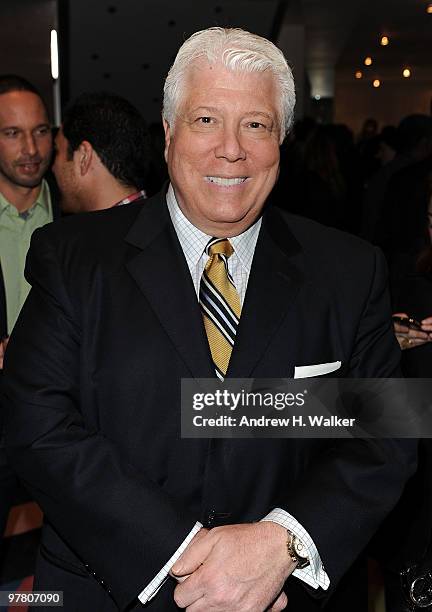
x=313 y=574
x=153 y=587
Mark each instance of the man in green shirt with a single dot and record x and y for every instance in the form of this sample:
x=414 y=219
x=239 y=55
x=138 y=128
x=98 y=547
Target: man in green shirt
x=25 y=201
x=25 y=204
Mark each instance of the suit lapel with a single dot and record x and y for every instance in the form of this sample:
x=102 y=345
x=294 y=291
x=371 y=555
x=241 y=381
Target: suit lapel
x=161 y=272
x=276 y=277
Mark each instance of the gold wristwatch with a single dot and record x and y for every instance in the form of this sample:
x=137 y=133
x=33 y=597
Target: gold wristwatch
x=297 y=551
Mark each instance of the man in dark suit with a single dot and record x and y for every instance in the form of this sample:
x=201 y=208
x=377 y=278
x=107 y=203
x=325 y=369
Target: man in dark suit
x=131 y=300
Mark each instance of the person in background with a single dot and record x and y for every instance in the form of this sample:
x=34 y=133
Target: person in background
x=412 y=142
x=412 y=518
x=367 y=148
x=101 y=153
x=414 y=305
x=25 y=199
x=26 y=203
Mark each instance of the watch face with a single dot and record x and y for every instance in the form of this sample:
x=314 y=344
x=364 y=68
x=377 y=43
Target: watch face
x=299 y=548
x=421 y=591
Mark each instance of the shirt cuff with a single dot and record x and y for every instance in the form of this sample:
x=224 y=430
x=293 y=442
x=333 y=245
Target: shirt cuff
x=153 y=587
x=313 y=574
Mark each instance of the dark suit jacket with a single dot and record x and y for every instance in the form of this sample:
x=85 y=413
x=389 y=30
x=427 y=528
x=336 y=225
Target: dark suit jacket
x=92 y=382
x=10 y=490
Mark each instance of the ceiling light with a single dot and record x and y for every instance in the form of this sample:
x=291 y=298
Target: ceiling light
x=54 y=55
x=368 y=61
x=358 y=74
x=376 y=83
x=406 y=73
x=384 y=41
x=429 y=9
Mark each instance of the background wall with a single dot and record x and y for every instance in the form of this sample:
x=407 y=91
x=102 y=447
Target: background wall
x=127 y=47
x=356 y=100
x=25 y=27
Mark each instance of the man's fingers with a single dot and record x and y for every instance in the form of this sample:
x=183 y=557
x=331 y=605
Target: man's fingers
x=181 y=579
x=198 y=602
x=199 y=606
x=280 y=603
x=410 y=333
x=407 y=342
x=194 y=556
x=188 y=591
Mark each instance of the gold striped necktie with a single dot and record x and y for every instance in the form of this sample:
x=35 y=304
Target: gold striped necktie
x=220 y=304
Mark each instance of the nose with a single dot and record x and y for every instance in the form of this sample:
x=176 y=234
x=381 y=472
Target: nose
x=29 y=145
x=230 y=146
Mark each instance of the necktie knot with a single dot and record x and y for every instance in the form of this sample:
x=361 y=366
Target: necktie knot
x=219 y=246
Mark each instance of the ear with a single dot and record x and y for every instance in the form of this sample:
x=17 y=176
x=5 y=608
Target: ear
x=84 y=157
x=167 y=130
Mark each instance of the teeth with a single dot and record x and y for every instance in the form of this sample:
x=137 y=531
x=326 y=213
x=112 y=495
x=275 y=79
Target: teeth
x=226 y=182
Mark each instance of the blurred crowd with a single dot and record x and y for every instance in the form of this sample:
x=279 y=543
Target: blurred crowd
x=378 y=186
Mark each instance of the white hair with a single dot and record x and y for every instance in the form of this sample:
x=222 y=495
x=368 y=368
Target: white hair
x=236 y=49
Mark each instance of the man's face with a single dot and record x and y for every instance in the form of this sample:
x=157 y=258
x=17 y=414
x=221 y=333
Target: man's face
x=65 y=173
x=25 y=139
x=223 y=153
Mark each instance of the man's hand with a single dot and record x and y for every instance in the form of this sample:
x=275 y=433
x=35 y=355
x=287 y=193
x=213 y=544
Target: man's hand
x=427 y=324
x=201 y=533
x=235 y=568
x=3 y=345
x=410 y=338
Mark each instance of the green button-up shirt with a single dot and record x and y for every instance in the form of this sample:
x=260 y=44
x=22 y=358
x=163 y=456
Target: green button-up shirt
x=15 y=233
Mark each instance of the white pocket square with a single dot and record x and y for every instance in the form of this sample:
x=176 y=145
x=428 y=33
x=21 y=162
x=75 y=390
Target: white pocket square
x=317 y=369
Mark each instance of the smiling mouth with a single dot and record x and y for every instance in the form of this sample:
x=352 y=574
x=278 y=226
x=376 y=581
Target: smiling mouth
x=29 y=167
x=226 y=182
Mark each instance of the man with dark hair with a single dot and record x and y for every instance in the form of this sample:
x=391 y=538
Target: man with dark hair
x=25 y=199
x=101 y=153
x=14 y=82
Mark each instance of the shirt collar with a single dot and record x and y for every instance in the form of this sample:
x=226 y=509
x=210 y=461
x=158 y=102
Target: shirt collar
x=43 y=199
x=193 y=241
